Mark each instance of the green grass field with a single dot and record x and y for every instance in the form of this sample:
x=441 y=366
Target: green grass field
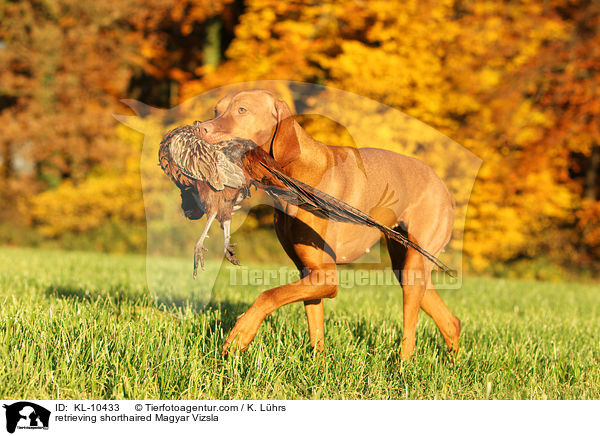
x=77 y=325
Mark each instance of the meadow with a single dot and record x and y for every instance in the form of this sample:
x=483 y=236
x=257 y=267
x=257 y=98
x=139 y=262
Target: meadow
x=82 y=325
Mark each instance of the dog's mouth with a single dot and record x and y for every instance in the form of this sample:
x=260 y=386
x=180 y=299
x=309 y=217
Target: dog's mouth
x=212 y=137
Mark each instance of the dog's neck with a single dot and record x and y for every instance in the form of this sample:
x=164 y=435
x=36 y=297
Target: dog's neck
x=314 y=158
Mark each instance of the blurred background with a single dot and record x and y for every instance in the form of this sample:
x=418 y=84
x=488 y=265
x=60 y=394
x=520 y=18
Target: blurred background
x=517 y=83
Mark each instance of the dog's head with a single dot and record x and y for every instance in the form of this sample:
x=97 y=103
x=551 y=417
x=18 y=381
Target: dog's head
x=256 y=115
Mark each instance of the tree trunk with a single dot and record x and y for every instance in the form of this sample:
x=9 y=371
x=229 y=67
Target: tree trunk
x=212 y=47
x=591 y=175
x=5 y=161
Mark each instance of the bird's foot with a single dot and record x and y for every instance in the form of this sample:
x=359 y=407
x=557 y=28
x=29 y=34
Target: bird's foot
x=230 y=254
x=199 y=257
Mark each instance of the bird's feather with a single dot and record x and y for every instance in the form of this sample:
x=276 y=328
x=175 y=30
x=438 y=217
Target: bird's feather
x=200 y=160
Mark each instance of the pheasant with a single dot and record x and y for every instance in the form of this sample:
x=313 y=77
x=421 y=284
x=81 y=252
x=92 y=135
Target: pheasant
x=215 y=178
x=209 y=184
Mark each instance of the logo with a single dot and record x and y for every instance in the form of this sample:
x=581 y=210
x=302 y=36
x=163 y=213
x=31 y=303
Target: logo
x=26 y=415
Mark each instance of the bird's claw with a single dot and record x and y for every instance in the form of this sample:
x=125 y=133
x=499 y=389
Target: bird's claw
x=230 y=254
x=199 y=256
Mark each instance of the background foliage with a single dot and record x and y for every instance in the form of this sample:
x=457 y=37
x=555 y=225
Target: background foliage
x=515 y=82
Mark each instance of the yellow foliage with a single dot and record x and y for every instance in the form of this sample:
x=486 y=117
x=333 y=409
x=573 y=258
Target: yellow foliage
x=108 y=194
x=84 y=207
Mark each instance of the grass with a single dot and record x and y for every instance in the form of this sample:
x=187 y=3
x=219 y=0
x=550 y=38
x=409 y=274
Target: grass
x=77 y=325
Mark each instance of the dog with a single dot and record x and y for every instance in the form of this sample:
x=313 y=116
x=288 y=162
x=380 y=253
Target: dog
x=398 y=191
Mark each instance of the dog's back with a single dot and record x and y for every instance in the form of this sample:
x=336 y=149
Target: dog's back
x=392 y=188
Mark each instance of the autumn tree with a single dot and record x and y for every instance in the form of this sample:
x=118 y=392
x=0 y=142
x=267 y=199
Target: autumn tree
x=514 y=82
x=66 y=64
x=566 y=76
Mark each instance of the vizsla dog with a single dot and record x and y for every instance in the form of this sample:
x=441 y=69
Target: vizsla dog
x=396 y=190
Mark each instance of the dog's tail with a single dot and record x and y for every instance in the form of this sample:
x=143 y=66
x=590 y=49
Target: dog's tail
x=325 y=206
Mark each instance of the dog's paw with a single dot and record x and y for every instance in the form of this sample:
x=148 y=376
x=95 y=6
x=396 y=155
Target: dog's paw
x=242 y=334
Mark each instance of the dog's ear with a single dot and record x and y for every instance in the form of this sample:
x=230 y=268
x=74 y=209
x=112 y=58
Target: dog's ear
x=285 y=147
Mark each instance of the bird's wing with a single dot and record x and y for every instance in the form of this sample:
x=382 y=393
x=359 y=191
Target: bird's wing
x=200 y=160
x=269 y=176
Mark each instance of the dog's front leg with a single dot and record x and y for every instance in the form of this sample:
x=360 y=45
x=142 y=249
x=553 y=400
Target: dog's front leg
x=315 y=317
x=319 y=283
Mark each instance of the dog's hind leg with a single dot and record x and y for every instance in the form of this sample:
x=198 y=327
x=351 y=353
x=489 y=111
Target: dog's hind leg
x=431 y=303
x=408 y=267
x=413 y=290
x=448 y=324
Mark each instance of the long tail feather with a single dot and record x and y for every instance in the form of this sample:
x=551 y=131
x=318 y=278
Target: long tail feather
x=326 y=206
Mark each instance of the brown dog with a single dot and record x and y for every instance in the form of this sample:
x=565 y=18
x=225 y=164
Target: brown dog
x=419 y=204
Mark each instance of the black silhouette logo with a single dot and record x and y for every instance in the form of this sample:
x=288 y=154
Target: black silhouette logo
x=26 y=415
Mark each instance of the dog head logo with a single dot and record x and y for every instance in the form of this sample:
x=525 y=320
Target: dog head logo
x=26 y=415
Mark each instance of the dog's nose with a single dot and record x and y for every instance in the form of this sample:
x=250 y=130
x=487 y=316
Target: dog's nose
x=204 y=129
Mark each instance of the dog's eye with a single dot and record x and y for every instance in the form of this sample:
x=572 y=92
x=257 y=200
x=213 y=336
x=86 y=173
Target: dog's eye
x=241 y=110
x=216 y=113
